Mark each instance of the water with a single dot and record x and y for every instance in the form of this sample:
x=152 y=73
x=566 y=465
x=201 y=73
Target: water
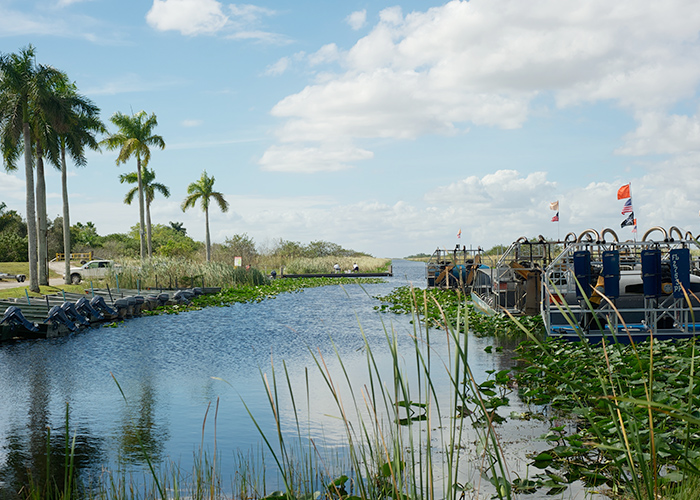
x=171 y=368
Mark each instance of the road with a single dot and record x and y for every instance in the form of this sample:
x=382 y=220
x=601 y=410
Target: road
x=56 y=267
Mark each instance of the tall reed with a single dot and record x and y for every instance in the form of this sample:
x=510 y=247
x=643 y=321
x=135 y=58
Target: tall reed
x=637 y=405
x=161 y=272
x=391 y=424
x=320 y=265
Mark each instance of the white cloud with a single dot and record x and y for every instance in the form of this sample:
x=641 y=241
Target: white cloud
x=189 y=17
x=44 y=22
x=505 y=189
x=327 y=54
x=208 y=17
x=357 y=19
x=12 y=190
x=311 y=159
x=483 y=62
x=260 y=36
x=65 y=3
x=658 y=133
x=279 y=67
x=250 y=13
x=386 y=103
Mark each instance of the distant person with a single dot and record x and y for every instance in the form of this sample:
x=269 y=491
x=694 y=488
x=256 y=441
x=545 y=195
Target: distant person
x=273 y=274
x=336 y=268
x=355 y=268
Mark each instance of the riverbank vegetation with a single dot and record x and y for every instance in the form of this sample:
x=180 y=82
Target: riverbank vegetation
x=635 y=425
x=623 y=420
x=437 y=306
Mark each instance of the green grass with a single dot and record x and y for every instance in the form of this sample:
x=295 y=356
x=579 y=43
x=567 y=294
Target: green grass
x=22 y=291
x=404 y=442
x=21 y=268
x=635 y=429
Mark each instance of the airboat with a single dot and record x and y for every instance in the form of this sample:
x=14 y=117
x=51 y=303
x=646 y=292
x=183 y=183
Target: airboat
x=588 y=286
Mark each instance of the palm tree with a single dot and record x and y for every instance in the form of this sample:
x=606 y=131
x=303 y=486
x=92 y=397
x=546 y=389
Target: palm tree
x=77 y=122
x=45 y=107
x=150 y=187
x=178 y=227
x=203 y=190
x=20 y=90
x=133 y=139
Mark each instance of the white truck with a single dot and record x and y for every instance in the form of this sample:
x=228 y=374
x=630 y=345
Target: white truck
x=95 y=269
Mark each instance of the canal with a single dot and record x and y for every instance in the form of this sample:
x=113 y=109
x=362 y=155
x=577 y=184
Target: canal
x=170 y=386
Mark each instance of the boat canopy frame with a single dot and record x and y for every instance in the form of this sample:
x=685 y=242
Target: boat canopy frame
x=667 y=304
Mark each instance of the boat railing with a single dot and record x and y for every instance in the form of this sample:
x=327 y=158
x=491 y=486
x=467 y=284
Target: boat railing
x=659 y=300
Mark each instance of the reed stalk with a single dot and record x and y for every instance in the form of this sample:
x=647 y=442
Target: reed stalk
x=390 y=424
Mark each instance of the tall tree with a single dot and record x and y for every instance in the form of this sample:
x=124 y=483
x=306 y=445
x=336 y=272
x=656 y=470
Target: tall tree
x=135 y=137
x=149 y=187
x=76 y=122
x=179 y=227
x=44 y=108
x=20 y=89
x=203 y=190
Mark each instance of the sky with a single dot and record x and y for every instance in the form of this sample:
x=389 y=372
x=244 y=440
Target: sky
x=384 y=127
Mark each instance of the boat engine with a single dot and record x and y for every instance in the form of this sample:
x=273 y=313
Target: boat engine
x=13 y=316
x=69 y=309
x=98 y=302
x=56 y=315
x=83 y=307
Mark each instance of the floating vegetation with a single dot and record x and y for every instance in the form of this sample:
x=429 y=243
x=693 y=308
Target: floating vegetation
x=435 y=306
x=244 y=293
x=635 y=408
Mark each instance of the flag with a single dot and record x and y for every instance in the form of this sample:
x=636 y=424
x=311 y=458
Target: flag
x=624 y=192
x=627 y=209
x=556 y=218
x=629 y=221
x=554 y=205
x=459 y=233
x=634 y=229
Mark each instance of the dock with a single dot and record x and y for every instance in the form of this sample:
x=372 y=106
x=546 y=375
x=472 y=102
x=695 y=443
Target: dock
x=339 y=275
x=64 y=313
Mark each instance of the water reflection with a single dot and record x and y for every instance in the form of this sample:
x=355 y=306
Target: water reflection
x=164 y=365
x=32 y=449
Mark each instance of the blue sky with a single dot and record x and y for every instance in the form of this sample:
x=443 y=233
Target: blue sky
x=385 y=127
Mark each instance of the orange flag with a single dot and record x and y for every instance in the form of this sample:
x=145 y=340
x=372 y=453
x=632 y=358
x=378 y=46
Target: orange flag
x=623 y=192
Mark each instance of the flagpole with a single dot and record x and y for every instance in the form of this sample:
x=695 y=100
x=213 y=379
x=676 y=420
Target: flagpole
x=634 y=231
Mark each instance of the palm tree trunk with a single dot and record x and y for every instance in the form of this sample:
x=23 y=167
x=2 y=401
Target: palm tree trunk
x=31 y=215
x=148 y=228
x=66 y=216
x=207 y=239
x=142 y=223
x=41 y=217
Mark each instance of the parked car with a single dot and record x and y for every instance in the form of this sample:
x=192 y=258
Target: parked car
x=95 y=269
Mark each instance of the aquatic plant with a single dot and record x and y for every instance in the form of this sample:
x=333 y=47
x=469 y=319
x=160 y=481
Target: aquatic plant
x=404 y=440
x=246 y=293
x=174 y=272
x=437 y=303
x=638 y=429
x=320 y=265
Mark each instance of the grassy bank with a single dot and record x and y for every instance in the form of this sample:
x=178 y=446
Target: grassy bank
x=174 y=272
x=21 y=268
x=632 y=427
x=387 y=422
x=23 y=291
